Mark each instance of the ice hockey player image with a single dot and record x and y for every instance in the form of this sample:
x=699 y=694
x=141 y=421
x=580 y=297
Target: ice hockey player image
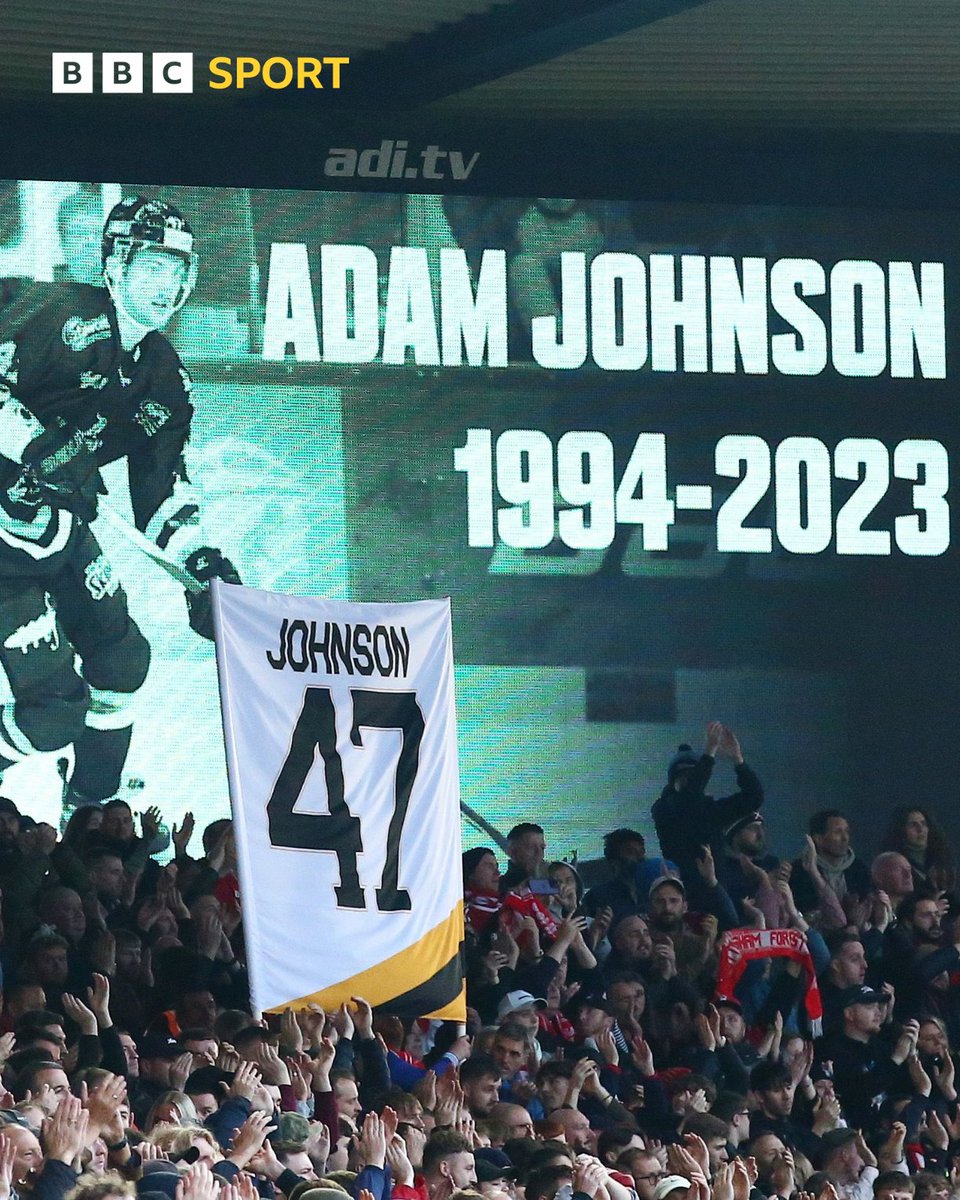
x=88 y=380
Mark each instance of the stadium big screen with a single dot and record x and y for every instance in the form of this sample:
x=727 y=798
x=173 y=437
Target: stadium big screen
x=672 y=462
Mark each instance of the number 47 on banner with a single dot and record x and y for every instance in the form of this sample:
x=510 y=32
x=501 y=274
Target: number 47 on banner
x=339 y=830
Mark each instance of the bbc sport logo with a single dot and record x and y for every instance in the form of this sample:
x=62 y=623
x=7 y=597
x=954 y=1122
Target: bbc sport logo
x=73 y=73
x=76 y=74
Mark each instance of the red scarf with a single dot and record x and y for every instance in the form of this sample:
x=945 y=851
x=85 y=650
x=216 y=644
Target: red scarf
x=524 y=902
x=481 y=906
x=741 y=946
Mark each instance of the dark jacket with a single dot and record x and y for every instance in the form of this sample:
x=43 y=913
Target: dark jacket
x=688 y=819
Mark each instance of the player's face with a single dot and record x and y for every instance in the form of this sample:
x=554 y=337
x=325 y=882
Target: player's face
x=152 y=285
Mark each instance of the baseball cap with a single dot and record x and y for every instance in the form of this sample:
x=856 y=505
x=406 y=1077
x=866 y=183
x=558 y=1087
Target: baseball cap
x=291 y=1132
x=587 y=1000
x=729 y=1002
x=661 y=880
x=672 y=1183
x=513 y=1001
x=862 y=994
x=749 y=818
x=492 y=1164
x=159 y=1045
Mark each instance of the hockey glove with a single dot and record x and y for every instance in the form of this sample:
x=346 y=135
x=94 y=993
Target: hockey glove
x=206 y=564
x=61 y=466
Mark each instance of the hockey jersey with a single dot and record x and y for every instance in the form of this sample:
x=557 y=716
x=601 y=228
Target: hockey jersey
x=67 y=367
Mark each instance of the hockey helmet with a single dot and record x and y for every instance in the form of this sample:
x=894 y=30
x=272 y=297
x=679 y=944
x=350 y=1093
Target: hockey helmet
x=137 y=224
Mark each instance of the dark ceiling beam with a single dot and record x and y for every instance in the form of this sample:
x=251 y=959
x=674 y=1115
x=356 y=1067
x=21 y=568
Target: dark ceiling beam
x=487 y=46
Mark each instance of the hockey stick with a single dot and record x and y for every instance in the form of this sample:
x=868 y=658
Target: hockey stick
x=483 y=825
x=163 y=560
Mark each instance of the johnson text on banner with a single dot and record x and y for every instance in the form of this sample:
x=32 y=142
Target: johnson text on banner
x=341 y=742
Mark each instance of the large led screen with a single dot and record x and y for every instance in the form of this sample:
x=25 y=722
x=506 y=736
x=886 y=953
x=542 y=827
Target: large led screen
x=671 y=462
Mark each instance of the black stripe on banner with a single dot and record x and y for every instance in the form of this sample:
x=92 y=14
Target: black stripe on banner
x=439 y=990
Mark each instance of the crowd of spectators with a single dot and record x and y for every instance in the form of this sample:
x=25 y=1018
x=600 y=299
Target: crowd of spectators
x=713 y=1021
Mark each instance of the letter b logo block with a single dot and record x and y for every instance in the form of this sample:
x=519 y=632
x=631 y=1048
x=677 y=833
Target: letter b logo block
x=123 y=72
x=72 y=73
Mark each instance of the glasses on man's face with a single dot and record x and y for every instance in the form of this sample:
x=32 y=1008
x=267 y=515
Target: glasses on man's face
x=653 y=1178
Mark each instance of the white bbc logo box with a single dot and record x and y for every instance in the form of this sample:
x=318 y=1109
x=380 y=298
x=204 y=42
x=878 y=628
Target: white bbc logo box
x=74 y=74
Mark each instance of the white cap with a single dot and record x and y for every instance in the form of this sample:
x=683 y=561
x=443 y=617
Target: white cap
x=672 y=1183
x=516 y=1000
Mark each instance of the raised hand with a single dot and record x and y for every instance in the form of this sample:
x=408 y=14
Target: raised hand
x=311 y=1021
x=755 y=918
x=907 y=1042
x=198 y=1182
x=318 y=1146
x=808 y=859
x=373 y=1141
x=740 y=1180
x=801 y=1066
x=641 y=1055
x=272 y=1067
x=713 y=738
x=589 y=1177
x=890 y=1153
x=826 y=1114
x=182 y=833
x=698 y=1150
x=729 y=744
x=8 y=1153
x=944 y=1077
x=343 y=1022
x=706 y=867
x=705 y=1032
x=291 y=1035
x=77 y=1011
x=663 y=960
x=227 y=1058
x=783 y=1174
x=607 y=1046
x=723 y=1182
x=98 y=997
x=398 y=1161
x=65 y=1133
x=425 y=1090
x=716 y=1027
x=936 y=1132
x=246 y=1080
x=7 y=1044
x=180 y=1070
x=150 y=822
x=449 y=1099
x=249 y=1138
x=299 y=1079
x=362 y=1018
x=103 y=1102
x=208 y=931
x=320 y=1066
x=600 y=926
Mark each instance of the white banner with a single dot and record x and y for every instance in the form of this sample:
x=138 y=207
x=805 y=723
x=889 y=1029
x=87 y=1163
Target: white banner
x=341 y=739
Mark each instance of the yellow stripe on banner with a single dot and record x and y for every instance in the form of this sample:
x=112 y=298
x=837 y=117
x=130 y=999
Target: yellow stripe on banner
x=400 y=973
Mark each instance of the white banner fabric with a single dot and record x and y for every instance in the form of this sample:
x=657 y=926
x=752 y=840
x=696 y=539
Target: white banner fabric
x=340 y=729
